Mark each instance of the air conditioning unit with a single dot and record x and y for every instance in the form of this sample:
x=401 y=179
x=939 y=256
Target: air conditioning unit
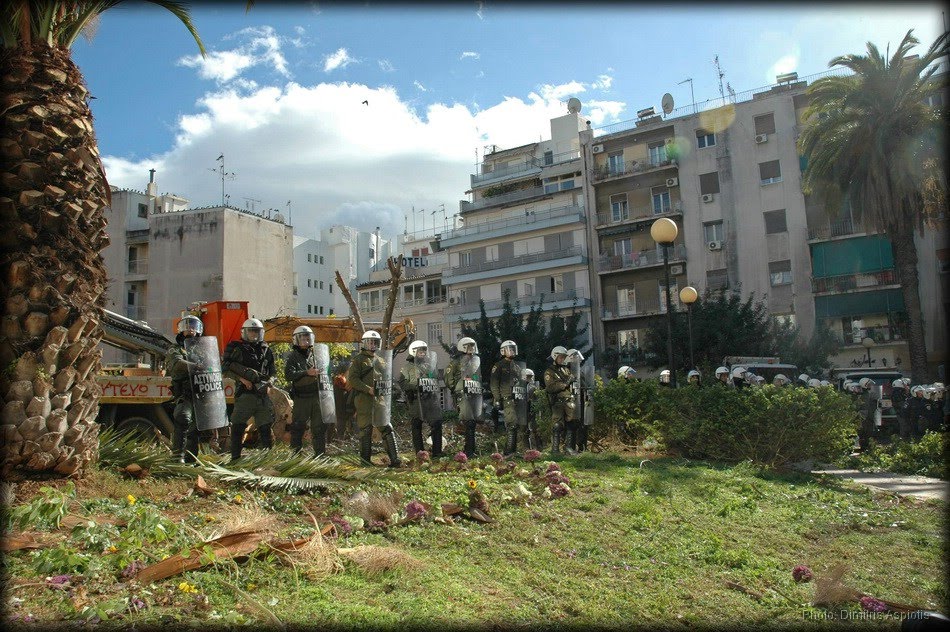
x=761 y=138
x=596 y=149
x=707 y=197
x=672 y=182
x=452 y=300
x=714 y=245
x=675 y=270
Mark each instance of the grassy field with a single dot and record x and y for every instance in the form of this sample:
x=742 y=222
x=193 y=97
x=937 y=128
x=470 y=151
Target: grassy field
x=636 y=543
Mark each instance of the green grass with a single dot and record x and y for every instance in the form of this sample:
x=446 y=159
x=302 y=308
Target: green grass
x=636 y=543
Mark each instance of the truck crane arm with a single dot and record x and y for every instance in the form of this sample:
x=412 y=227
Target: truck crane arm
x=135 y=337
x=343 y=329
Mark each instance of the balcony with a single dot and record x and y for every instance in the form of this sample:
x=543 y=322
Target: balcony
x=881 y=334
x=843 y=228
x=525 y=263
x=137 y=266
x=643 y=305
x=135 y=312
x=643 y=259
x=529 y=220
x=849 y=282
x=501 y=200
x=631 y=167
x=528 y=167
x=402 y=305
x=522 y=304
x=638 y=214
x=139 y=236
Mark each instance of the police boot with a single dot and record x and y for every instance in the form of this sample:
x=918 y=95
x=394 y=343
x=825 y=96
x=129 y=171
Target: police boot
x=191 y=448
x=570 y=445
x=417 y=444
x=366 y=445
x=389 y=440
x=296 y=437
x=178 y=442
x=237 y=441
x=512 y=444
x=318 y=434
x=470 y=438
x=556 y=441
x=437 y=440
x=582 y=439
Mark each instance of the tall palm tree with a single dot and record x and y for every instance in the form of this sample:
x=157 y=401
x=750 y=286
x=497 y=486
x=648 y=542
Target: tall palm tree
x=53 y=192
x=871 y=138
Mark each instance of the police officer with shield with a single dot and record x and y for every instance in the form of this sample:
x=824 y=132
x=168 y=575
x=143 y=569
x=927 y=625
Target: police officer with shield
x=508 y=392
x=370 y=378
x=557 y=384
x=468 y=390
x=419 y=381
x=306 y=370
x=585 y=405
x=531 y=388
x=250 y=361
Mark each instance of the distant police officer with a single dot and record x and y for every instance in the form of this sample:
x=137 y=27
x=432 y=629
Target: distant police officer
x=626 y=373
x=665 y=378
x=557 y=384
x=367 y=377
x=418 y=381
x=304 y=375
x=533 y=442
x=780 y=380
x=738 y=377
x=463 y=377
x=723 y=377
x=898 y=397
x=250 y=362
x=694 y=378
x=504 y=381
x=185 y=430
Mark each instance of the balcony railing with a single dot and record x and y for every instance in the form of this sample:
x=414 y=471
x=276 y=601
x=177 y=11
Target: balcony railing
x=135 y=312
x=561 y=158
x=631 y=167
x=841 y=228
x=498 y=200
x=528 y=164
x=641 y=212
x=138 y=266
x=845 y=282
x=519 y=221
x=520 y=260
x=644 y=305
x=641 y=259
x=404 y=304
x=880 y=334
x=524 y=301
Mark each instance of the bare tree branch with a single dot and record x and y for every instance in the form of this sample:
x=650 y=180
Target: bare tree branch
x=349 y=301
x=395 y=269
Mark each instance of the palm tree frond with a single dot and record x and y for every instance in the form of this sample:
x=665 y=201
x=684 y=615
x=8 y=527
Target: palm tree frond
x=180 y=11
x=120 y=449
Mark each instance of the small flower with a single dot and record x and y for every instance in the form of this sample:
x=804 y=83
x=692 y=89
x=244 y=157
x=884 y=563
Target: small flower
x=532 y=455
x=801 y=573
x=342 y=525
x=461 y=457
x=132 y=569
x=553 y=467
x=559 y=490
x=112 y=549
x=472 y=484
x=422 y=456
x=251 y=586
x=415 y=509
x=870 y=604
x=496 y=456
x=131 y=499
x=58 y=581
x=238 y=498
x=136 y=604
x=185 y=587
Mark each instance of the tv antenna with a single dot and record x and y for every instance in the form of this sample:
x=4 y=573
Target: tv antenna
x=250 y=202
x=721 y=75
x=692 y=97
x=225 y=175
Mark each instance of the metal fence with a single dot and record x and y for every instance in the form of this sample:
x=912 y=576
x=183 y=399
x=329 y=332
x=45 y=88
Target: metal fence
x=640 y=259
x=521 y=260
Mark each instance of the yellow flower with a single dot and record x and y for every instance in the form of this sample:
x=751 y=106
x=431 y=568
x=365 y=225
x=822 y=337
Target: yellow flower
x=473 y=484
x=131 y=499
x=113 y=549
x=251 y=586
x=187 y=588
x=238 y=498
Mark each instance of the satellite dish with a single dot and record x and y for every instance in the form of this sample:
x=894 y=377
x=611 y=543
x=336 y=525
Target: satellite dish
x=667 y=103
x=573 y=105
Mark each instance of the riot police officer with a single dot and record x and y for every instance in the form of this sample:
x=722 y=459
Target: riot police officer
x=185 y=430
x=665 y=378
x=694 y=378
x=301 y=370
x=738 y=377
x=584 y=412
x=802 y=380
x=418 y=381
x=464 y=378
x=557 y=383
x=369 y=377
x=722 y=377
x=898 y=397
x=505 y=382
x=532 y=441
x=626 y=373
x=251 y=362
x=780 y=380
x=868 y=412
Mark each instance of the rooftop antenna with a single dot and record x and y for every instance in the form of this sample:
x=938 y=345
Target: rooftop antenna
x=691 y=96
x=721 y=75
x=249 y=203
x=405 y=230
x=445 y=218
x=732 y=93
x=290 y=214
x=225 y=175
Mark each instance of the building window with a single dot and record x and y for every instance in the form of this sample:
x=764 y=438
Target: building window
x=309 y=258
x=657 y=153
x=626 y=301
x=780 y=273
x=309 y=309
x=525 y=288
x=520 y=247
x=557 y=283
x=623 y=247
x=713 y=231
x=705 y=139
x=331 y=311
x=661 y=200
x=943 y=260
x=143 y=210
x=765 y=124
x=321 y=310
x=331 y=288
x=434 y=332
x=717 y=279
x=775 y=222
x=491 y=253
x=321 y=285
x=465 y=258
x=549 y=157
x=784 y=319
x=618 y=207
x=770 y=172
x=628 y=340
x=321 y=260
x=674 y=295
x=615 y=164
x=709 y=183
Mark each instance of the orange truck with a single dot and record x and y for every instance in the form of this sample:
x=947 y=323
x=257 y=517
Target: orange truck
x=139 y=397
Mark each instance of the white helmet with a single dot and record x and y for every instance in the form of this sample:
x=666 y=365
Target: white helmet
x=917 y=390
x=625 y=372
x=527 y=375
x=854 y=387
x=372 y=341
x=464 y=343
x=509 y=349
x=906 y=381
x=779 y=380
x=721 y=371
x=303 y=337
x=803 y=378
x=825 y=383
x=749 y=377
x=191 y=325
x=898 y=383
x=814 y=383
x=558 y=351
x=738 y=372
x=574 y=353
x=692 y=374
x=665 y=376
x=866 y=383
x=418 y=349
x=252 y=330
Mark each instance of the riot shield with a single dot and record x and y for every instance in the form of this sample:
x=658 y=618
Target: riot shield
x=470 y=406
x=383 y=387
x=587 y=387
x=575 y=413
x=430 y=406
x=321 y=362
x=207 y=387
x=519 y=393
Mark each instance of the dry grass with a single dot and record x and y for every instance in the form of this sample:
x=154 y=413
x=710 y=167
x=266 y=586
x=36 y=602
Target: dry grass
x=244 y=518
x=317 y=558
x=830 y=590
x=375 y=560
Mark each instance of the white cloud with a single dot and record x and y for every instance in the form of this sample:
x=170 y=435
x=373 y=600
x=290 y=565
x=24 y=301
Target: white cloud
x=262 y=47
x=385 y=65
x=603 y=82
x=470 y=55
x=340 y=59
x=562 y=91
x=419 y=86
x=480 y=74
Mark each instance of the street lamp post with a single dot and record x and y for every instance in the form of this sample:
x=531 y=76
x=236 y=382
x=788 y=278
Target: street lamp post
x=688 y=295
x=664 y=231
x=867 y=343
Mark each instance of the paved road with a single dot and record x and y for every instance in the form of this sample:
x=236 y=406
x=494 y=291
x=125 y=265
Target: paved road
x=901 y=484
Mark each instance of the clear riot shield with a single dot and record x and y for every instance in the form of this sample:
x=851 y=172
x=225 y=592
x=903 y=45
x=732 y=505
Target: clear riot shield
x=587 y=387
x=471 y=405
x=430 y=408
x=519 y=393
x=321 y=362
x=383 y=387
x=207 y=386
x=575 y=414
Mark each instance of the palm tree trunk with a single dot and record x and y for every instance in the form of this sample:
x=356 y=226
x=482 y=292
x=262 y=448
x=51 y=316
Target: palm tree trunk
x=53 y=192
x=905 y=258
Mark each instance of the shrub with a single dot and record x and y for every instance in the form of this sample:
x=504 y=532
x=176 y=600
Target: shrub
x=925 y=457
x=627 y=406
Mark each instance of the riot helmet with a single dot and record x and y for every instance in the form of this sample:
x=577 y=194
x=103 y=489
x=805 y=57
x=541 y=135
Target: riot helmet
x=898 y=383
x=418 y=349
x=814 y=383
x=303 y=337
x=190 y=326
x=527 y=375
x=722 y=372
x=559 y=354
x=665 y=376
x=738 y=373
x=917 y=391
x=371 y=341
x=866 y=383
x=574 y=353
x=467 y=345
x=626 y=372
x=693 y=377
x=803 y=378
x=509 y=349
x=252 y=331
x=779 y=380
x=825 y=383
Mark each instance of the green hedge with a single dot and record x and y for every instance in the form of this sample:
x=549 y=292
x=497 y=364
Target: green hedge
x=927 y=456
x=769 y=426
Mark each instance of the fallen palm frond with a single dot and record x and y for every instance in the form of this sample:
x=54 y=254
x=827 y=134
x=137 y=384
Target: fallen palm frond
x=244 y=518
x=281 y=469
x=122 y=449
x=831 y=590
x=374 y=560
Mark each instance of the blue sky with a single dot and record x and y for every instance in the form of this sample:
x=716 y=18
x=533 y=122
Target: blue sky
x=280 y=93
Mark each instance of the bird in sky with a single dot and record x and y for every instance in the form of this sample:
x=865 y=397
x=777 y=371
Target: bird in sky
x=365 y=102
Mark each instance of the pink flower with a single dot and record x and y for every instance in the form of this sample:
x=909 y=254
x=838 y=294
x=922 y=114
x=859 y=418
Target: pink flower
x=130 y=571
x=556 y=477
x=342 y=525
x=422 y=456
x=136 y=604
x=532 y=455
x=496 y=456
x=553 y=467
x=415 y=509
x=870 y=604
x=558 y=490
x=801 y=573
x=461 y=457
x=58 y=581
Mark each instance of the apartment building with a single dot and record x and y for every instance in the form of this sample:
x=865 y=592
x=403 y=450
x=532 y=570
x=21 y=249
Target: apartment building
x=523 y=230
